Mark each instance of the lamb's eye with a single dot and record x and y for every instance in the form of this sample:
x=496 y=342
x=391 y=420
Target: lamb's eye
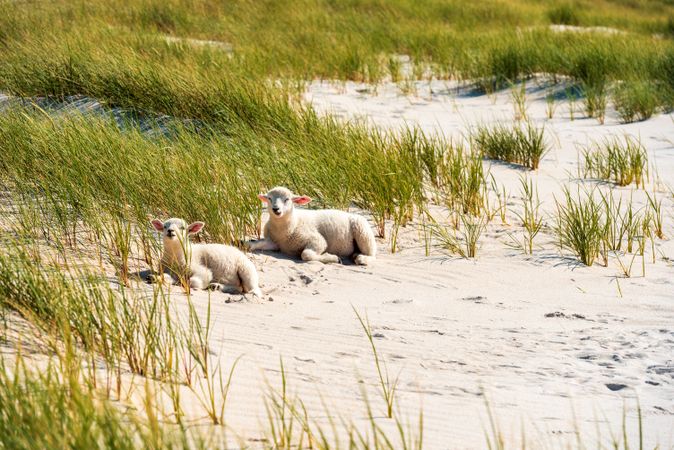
x=287 y=200
x=182 y=228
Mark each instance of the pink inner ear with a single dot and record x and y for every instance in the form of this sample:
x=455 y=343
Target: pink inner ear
x=195 y=227
x=301 y=200
x=263 y=198
x=158 y=225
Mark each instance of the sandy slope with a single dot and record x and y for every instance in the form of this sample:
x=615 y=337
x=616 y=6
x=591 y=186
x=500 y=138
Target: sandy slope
x=545 y=337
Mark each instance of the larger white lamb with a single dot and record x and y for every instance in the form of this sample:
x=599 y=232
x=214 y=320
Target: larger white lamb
x=204 y=265
x=322 y=235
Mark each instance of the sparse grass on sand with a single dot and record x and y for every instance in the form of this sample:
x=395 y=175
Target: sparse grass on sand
x=592 y=223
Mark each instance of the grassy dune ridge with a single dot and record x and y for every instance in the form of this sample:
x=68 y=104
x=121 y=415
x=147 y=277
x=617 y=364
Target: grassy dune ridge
x=121 y=54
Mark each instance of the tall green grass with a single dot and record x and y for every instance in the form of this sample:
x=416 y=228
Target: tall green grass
x=61 y=165
x=125 y=328
x=592 y=70
x=81 y=188
x=39 y=409
x=592 y=224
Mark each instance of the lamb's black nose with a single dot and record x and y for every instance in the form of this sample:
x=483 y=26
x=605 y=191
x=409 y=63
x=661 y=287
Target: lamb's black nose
x=170 y=233
x=276 y=210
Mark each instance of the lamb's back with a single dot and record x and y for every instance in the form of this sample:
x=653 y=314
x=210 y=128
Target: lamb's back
x=335 y=226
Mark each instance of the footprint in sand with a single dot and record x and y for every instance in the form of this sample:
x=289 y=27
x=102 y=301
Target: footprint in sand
x=615 y=386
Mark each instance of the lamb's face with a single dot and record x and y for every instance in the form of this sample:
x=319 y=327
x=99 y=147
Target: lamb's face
x=280 y=202
x=176 y=229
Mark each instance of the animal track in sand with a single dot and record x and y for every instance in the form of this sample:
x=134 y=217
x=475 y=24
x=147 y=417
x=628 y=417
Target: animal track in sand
x=561 y=315
x=305 y=360
x=399 y=301
x=475 y=299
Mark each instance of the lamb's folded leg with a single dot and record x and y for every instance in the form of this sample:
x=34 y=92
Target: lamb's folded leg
x=197 y=283
x=363 y=260
x=311 y=255
x=364 y=237
x=201 y=278
x=262 y=244
x=249 y=279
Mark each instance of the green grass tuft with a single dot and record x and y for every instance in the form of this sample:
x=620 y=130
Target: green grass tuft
x=622 y=162
x=637 y=100
x=520 y=145
x=580 y=225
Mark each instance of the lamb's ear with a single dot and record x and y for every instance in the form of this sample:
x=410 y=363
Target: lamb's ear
x=301 y=199
x=195 y=227
x=157 y=224
x=263 y=197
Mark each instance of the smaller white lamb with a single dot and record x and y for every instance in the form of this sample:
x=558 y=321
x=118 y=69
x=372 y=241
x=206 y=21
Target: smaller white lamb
x=204 y=265
x=322 y=235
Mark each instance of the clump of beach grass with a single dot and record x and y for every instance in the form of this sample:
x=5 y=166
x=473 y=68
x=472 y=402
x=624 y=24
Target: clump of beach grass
x=520 y=145
x=519 y=98
x=617 y=222
x=550 y=105
x=655 y=206
x=580 y=225
x=620 y=161
x=502 y=197
x=636 y=100
x=531 y=217
x=592 y=68
x=462 y=238
x=472 y=230
x=44 y=409
x=460 y=179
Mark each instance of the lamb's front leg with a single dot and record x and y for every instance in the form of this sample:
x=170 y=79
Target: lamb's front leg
x=262 y=244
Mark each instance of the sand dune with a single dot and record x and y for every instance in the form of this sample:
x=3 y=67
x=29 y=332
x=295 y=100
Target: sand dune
x=555 y=345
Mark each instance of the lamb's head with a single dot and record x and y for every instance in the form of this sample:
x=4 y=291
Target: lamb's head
x=176 y=230
x=280 y=202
